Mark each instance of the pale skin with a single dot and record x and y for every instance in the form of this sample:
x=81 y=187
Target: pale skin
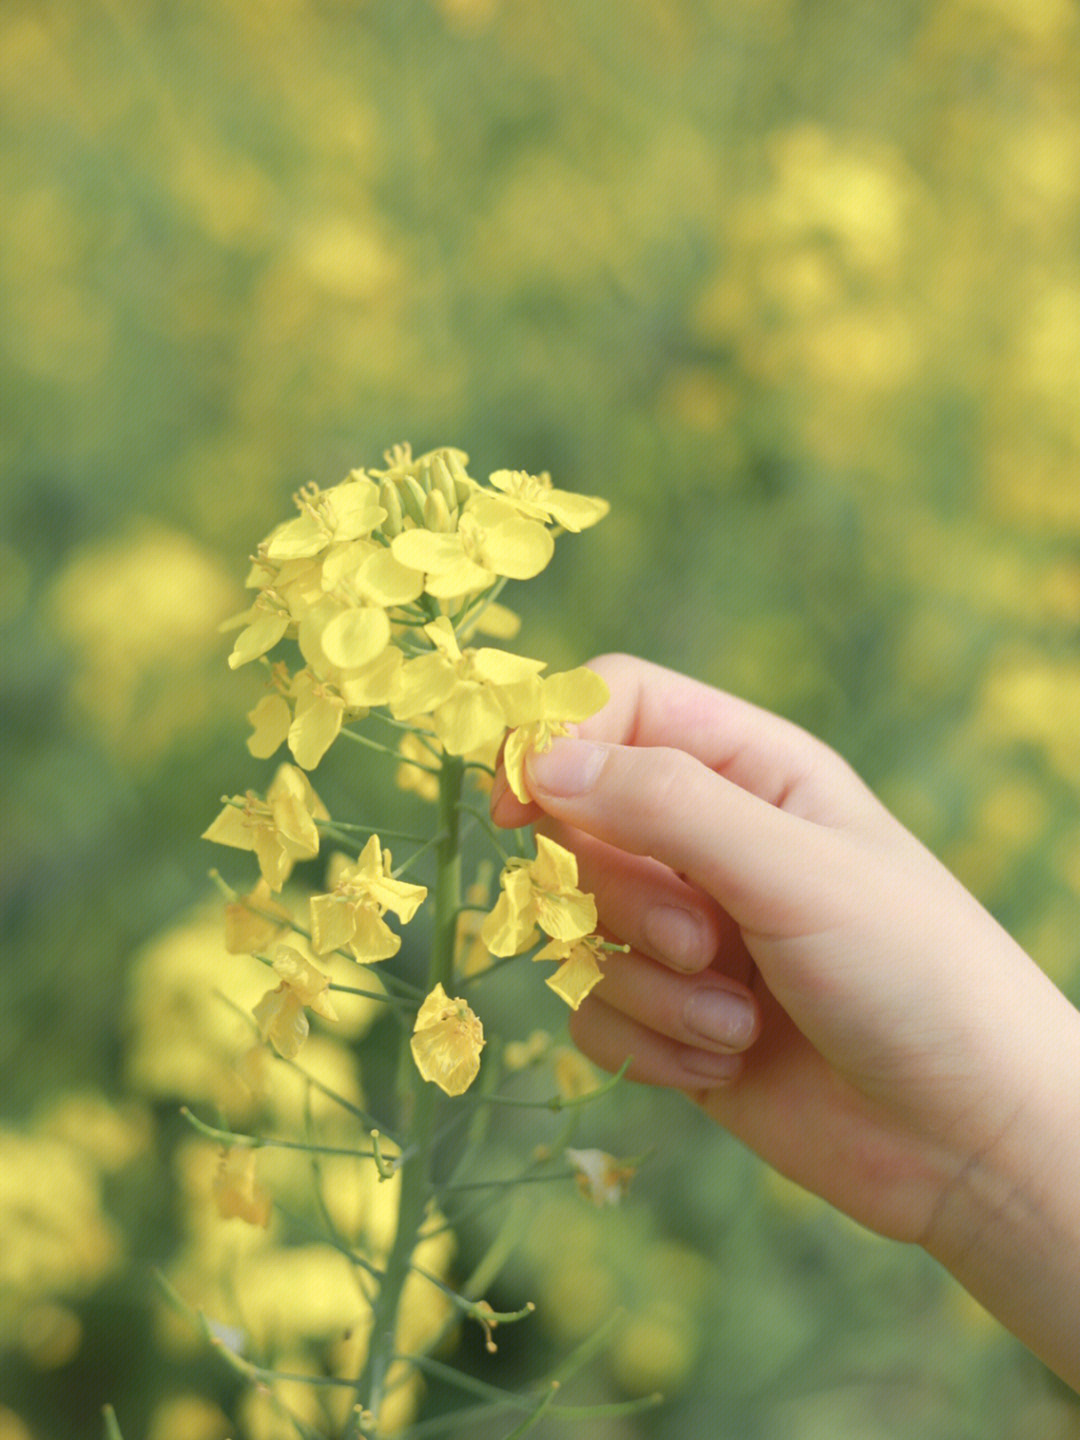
x=817 y=982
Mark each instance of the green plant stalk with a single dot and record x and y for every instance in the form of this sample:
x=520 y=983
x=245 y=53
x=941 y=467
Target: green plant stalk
x=416 y=1189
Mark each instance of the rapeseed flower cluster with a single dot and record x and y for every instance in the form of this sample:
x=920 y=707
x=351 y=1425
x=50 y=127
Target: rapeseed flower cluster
x=365 y=613
x=380 y=582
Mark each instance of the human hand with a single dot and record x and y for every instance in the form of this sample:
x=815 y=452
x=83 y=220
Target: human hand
x=889 y=1042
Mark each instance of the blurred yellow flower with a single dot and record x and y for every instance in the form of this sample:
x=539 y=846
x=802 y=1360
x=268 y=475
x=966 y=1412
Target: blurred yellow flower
x=237 y=1192
x=541 y=892
x=254 y=921
x=280 y=829
x=446 y=1042
x=282 y=1013
x=565 y=699
x=351 y=914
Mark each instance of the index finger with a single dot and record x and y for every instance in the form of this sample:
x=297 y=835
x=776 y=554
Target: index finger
x=758 y=751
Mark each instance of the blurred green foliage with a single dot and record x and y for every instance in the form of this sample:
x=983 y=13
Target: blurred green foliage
x=796 y=285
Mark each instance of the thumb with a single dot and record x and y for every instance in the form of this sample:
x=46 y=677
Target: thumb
x=763 y=865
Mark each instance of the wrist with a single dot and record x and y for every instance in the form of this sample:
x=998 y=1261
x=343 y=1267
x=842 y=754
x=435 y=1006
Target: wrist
x=1008 y=1223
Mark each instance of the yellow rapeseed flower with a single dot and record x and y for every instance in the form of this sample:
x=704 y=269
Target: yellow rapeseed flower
x=446 y=1042
x=471 y=695
x=541 y=892
x=351 y=914
x=536 y=497
x=565 y=699
x=492 y=539
x=282 y=1013
x=345 y=512
x=280 y=829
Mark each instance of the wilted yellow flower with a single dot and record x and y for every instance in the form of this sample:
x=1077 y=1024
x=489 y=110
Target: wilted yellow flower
x=351 y=914
x=281 y=1013
x=280 y=829
x=565 y=699
x=541 y=892
x=492 y=539
x=579 y=970
x=536 y=497
x=446 y=1042
x=471 y=696
x=237 y=1193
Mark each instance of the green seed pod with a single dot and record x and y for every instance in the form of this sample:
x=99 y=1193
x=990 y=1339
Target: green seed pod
x=437 y=514
x=391 y=503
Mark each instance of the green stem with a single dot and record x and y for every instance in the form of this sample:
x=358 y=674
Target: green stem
x=416 y=1187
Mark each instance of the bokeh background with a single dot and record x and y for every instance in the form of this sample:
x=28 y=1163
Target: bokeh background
x=796 y=285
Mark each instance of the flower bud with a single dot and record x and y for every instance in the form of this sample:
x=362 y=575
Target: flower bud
x=412 y=498
x=437 y=515
x=442 y=482
x=390 y=501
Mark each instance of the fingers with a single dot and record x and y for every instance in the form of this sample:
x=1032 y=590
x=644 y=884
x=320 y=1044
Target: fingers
x=766 y=868
x=760 y=752
x=609 y=1037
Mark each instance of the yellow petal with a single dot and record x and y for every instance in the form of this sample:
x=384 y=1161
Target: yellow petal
x=314 y=730
x=576 y=975
x=470 y=718
x=374 y=683
x=510 y=928
x=333 y=923
x=355 y=637
x=383 y=579
x=271 y=719
x=298 y=539
x=576 y=512
x=555 y=868
x=261 y=635
x=503 y=667
x=421 y=685
x=518 y=744
x=427 y=550
x=281 y=1020
x=465 y=578
x=372 y=940
x=230 y=828
x=574 y=695
x=566 y=917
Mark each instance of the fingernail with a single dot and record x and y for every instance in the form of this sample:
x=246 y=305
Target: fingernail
x=570 y=767
x=676 y=936
x=722 y=1017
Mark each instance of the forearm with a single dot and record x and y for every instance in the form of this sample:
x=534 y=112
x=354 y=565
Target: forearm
x=1009 y=1226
